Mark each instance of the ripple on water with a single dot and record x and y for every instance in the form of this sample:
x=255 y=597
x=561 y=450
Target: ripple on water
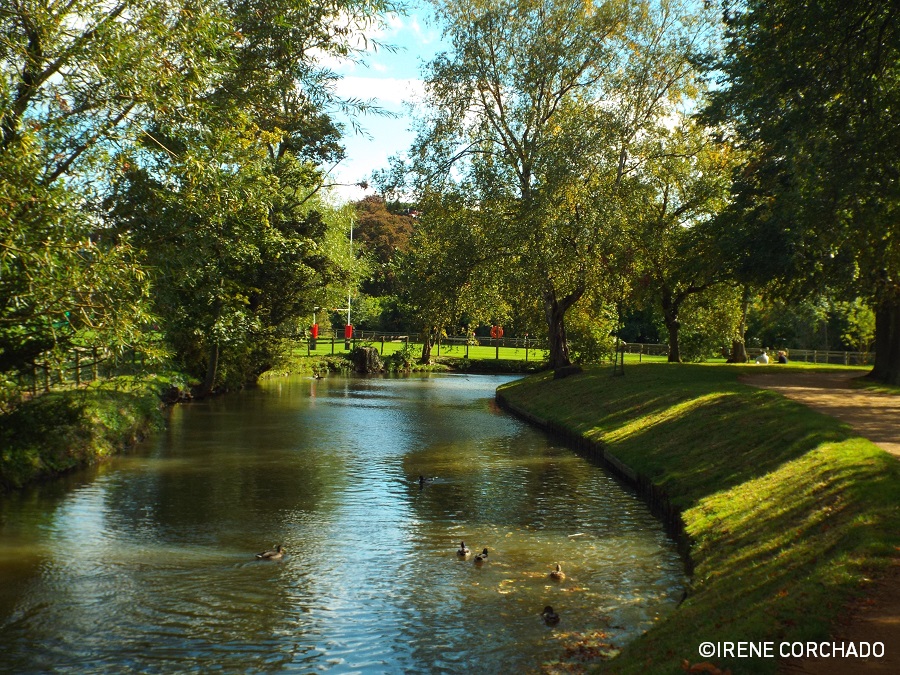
x=149 y=567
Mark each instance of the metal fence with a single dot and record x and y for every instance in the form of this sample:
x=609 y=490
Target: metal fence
x=822 y=356
x=332 y=341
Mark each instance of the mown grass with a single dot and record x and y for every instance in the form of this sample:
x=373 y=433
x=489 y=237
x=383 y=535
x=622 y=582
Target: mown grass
x=789 y=513
x=64 y=430
x=475 y=352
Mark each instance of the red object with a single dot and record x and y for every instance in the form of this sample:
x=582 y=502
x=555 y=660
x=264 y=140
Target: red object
x=496 y=331
x=314 y=329
x=348 y=332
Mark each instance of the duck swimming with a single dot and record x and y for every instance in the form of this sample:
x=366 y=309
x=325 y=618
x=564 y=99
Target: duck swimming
x=425 y=481
x=550 y=617
x=558 y=574
x=272 y=554
x=481 y=557
x=463 y=551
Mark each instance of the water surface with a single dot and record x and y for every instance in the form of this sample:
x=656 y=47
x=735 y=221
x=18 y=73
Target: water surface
x=146 y=563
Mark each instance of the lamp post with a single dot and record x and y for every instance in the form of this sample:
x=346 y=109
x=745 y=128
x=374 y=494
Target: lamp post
x=348 y=329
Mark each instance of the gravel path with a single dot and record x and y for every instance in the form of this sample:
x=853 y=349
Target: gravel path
x=876 y=617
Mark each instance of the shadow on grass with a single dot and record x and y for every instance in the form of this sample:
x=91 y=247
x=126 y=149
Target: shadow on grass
x=788 y=511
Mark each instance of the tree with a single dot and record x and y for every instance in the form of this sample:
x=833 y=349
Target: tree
x=384 y=234
x=684 y=183
x=74 y=78
x=225 y=199
x=442 y=276
x=535 y=110
x=811 y=93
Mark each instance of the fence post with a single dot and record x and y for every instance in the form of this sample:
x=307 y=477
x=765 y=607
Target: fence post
x=77 y=369
x=497 y=349
x=382 y=345
x=526 y=349
x=46 y=377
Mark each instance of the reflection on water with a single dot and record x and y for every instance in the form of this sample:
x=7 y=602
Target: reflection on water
x=146 y=564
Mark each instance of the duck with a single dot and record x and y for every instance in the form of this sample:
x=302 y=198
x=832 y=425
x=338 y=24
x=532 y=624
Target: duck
x=558 y=574
x=550 y=617
x=424 y=481
x=272 y=554
x=481 y=557
x=463 y=551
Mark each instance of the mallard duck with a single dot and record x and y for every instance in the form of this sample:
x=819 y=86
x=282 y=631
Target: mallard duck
x=272 y=554
x=558 y=574
x=463 y=551
x=481 y=557
x=550 y=617
x=425 y=481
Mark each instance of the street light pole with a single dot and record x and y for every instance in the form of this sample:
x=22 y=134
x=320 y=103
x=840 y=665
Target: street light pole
x=348 y=331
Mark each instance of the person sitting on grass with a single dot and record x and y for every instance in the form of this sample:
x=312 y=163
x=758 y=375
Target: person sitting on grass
x=763 y=358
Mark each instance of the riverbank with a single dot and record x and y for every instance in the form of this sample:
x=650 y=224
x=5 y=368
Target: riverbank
x=789 y=514
x=65 y=430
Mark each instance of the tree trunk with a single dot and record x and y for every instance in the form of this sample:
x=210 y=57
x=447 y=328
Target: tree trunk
x=887 y=342
x=738 y=347
x=212 y=367
x=555 y=311
x=670 y=308
x=426 y=347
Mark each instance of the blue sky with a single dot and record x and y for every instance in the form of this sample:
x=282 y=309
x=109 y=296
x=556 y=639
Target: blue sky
x=389 y=79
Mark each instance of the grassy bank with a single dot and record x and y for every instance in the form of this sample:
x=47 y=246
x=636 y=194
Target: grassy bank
x=65 y=430
x=789 y=513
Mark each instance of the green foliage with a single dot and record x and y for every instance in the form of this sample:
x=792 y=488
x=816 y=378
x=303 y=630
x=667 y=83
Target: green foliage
x=709 y=322
x=591 y=331
x=66 y=430
x=812 y=93
x=858 y=329
x=400 y=361
x=514 y=123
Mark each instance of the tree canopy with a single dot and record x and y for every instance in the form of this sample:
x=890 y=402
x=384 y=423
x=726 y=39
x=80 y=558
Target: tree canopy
x=811 y=93
x=537 y=111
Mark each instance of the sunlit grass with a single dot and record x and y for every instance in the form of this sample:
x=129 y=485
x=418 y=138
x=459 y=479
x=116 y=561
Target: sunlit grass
x=789 y=513
x=473 y=352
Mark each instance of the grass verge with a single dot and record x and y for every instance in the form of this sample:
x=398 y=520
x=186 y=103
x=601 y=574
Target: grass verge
x=789 y=514
x=65 y=430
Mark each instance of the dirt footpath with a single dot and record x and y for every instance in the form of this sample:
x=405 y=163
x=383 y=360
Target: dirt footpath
x=874 y=416
x=875 y=618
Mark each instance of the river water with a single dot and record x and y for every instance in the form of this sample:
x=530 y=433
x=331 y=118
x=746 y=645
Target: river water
x=146 y=563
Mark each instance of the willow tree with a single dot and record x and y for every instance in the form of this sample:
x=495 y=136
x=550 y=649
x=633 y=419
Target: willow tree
x=76 y=79
x=536 y=107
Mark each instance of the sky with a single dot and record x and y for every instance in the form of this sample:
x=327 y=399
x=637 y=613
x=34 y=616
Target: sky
x=390 y=80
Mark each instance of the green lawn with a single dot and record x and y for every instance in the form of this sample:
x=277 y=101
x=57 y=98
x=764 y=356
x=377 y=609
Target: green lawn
x=475 y=353
x=788 y=512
